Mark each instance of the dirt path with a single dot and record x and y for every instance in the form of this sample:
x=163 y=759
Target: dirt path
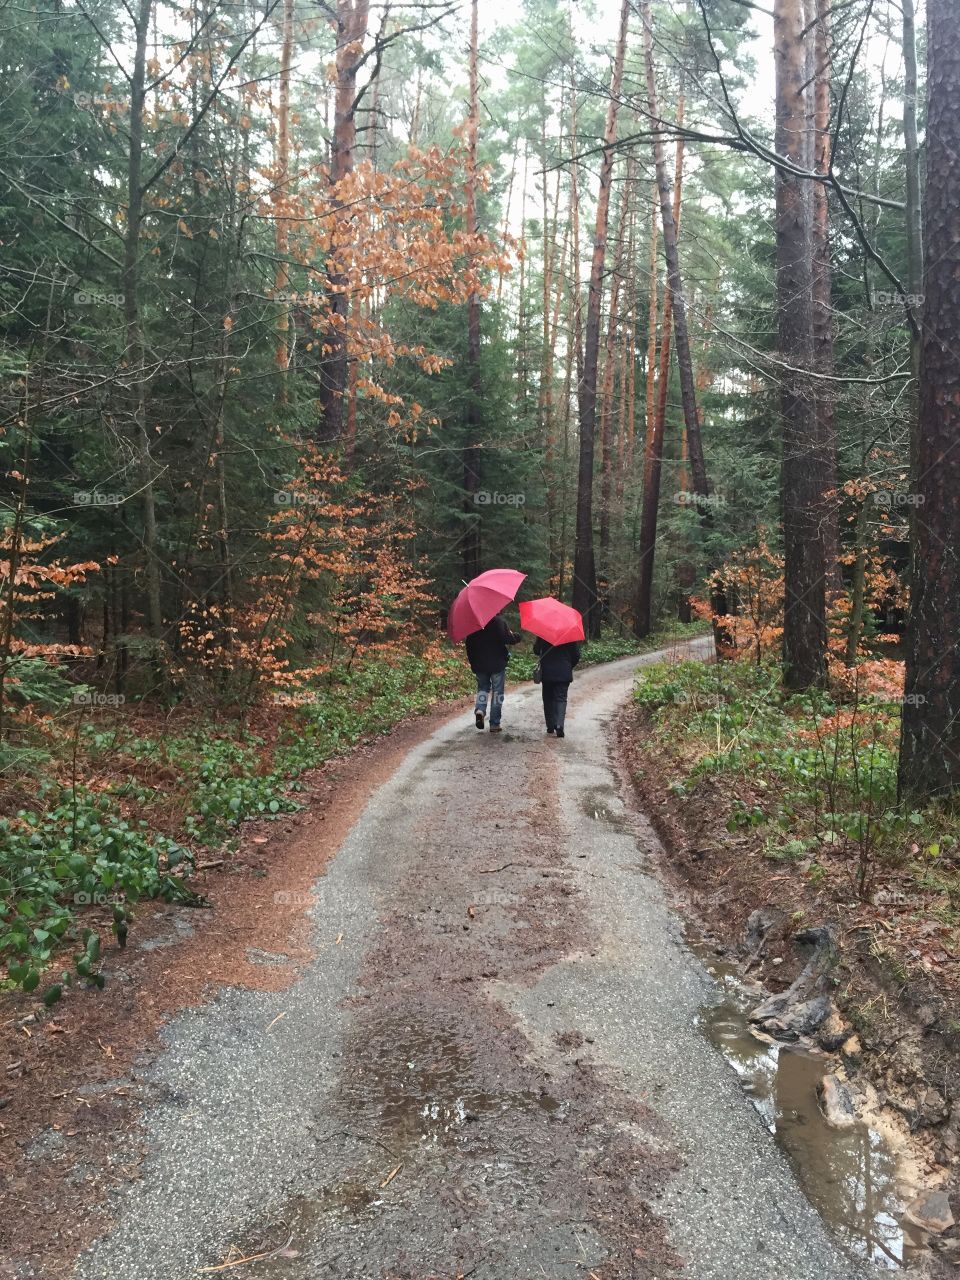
x=490 y=1068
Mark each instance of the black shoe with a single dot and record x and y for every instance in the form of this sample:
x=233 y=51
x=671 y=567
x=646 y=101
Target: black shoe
x=479 y=719
x=551 y=731
x=559 y=733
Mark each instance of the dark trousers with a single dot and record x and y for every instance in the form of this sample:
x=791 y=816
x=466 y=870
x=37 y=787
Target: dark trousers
x=555 y=702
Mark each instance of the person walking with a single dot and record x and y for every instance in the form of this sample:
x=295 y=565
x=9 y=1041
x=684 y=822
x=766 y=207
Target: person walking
x=556 y=673
x=488 y=653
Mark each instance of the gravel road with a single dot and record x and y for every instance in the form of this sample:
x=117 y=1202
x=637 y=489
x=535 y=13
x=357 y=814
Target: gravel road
x=491 y=1068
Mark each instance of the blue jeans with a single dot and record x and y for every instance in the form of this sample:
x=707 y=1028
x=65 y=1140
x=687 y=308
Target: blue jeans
x=491 y=682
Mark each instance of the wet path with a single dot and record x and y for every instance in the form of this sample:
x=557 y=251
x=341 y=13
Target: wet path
x=493 y=1068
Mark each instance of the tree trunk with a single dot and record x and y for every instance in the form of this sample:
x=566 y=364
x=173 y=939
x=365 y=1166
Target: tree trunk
x=471 y=453
x=134 y=355
x=554 y=498
x=670 y=213
x=930 y=744
x=688 y=393
x=912 y=159
x=282 y=278
x=823 y=295
x=914 y=233
x=804 y=624
x=609 y=371
x=576 y=296
x=652 y=326
x=858 y=587
x=584 y=568
x=350 y=26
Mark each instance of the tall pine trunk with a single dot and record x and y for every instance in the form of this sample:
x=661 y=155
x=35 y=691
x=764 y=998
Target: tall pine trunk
x=282 y=278
x=472 y=554
x=930 y=744
x=133 y=326
x=350 y=26
x=823 y=294
x=584 y=566
x=609 y=372
x=802 y=480
x=656 y=422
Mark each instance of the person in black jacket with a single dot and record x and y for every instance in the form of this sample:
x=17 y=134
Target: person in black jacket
x=556 y=668
x=488 y=654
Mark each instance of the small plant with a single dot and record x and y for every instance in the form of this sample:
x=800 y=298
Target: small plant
x=77 y=854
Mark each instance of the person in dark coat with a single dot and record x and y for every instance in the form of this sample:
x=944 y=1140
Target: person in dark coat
x=488 y=654
x=556 y=669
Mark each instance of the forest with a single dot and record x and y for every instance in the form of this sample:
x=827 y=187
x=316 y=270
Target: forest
x=312 y=314
x=313 y=311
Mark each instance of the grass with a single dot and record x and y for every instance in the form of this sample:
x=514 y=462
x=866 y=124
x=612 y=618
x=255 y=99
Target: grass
x=812 y=778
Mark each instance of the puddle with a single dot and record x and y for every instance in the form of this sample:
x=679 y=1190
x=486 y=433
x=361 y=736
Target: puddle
x=851 y=1176
x=603 y=805
x=418 y=1116
x=424 y=1090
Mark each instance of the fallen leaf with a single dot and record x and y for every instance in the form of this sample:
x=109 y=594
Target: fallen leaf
x=390 y=1176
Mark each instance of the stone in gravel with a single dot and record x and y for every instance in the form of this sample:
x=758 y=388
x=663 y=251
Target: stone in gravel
x=836 y=1103
x=931 y=1212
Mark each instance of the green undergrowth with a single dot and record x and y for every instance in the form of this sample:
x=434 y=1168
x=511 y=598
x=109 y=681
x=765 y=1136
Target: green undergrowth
x=813 y=777
x=153 y=803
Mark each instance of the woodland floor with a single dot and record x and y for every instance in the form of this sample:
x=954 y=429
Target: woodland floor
x=467 y=1044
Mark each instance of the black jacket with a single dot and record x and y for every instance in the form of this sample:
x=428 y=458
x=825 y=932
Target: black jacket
x=487 y=649
x=557 y=660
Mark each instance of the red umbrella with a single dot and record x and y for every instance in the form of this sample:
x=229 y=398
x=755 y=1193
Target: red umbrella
x=551 y=620
x=482 y=599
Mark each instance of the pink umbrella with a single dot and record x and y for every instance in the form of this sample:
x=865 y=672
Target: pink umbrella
x=551 y=620
x=480 y=600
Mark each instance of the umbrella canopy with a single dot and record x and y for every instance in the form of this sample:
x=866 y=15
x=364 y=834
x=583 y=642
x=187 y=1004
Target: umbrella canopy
x=482 y=599
x=551 y=620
